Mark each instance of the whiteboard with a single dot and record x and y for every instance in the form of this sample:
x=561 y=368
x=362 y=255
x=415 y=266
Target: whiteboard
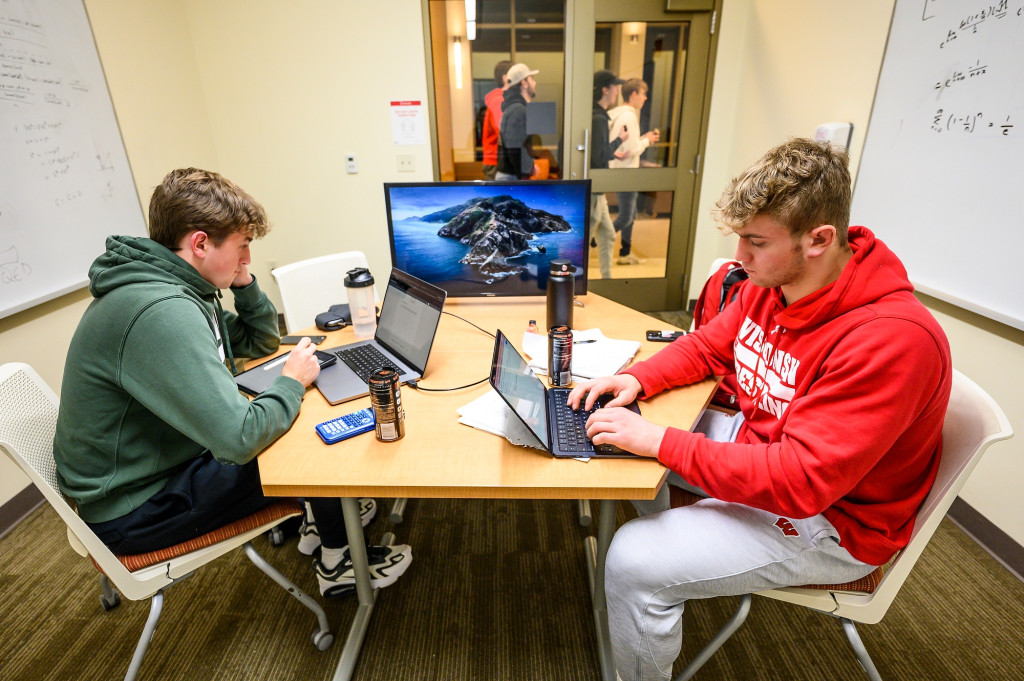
x=941 y=179
x=65 y=183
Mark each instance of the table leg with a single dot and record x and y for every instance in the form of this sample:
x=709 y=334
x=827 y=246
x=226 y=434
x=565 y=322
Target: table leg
x=583 y=509
x=367 y=595
x=596 y=553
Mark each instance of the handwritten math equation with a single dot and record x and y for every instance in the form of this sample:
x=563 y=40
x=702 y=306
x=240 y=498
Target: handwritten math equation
x=957 y=76
x=970 y=123
x=970 y=23
x=12 y=268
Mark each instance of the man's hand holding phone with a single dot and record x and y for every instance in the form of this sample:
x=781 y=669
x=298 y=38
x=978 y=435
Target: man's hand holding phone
x=302 y=364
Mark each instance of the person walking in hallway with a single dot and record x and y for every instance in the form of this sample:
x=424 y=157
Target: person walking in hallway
x=627 y=117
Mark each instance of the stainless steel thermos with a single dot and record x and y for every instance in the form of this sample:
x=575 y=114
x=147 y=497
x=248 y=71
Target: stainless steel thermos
x=561 y=288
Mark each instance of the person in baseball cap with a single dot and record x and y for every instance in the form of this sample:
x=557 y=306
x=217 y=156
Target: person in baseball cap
x=602 y=79
x=518 y=72
x=606 y=95
x=516 y=160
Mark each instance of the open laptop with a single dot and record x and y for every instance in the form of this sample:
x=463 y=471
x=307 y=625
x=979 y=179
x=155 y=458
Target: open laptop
x=409 y=315
x=544 y=410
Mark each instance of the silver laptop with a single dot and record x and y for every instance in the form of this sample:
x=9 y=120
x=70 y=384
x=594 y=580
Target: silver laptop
x=409 y=315
x=560 y=429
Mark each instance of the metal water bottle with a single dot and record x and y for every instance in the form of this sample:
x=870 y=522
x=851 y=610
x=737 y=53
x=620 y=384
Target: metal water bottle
x=561 y=287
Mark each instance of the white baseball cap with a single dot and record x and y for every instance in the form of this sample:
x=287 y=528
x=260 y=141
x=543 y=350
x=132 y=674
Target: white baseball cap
x=519 y=72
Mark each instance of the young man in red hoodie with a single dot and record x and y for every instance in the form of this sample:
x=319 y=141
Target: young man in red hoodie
x=492 y=118
x=843 y=377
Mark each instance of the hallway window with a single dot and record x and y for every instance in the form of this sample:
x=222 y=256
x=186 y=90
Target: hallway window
x=527 y=31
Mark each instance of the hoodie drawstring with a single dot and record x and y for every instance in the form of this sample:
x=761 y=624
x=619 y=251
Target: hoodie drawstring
x=224 y=332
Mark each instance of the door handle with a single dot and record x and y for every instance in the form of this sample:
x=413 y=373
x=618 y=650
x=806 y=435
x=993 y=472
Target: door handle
x=585 y=148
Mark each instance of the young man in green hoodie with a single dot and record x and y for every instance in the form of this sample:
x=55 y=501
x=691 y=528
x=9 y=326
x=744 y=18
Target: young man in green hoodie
x=154 y=442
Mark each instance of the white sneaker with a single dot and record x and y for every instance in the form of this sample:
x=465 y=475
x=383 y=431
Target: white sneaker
x=387 y=564
x=629 y=260
x=309 y=537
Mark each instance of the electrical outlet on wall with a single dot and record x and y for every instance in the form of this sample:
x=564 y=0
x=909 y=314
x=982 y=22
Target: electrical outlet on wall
x=406 y=163
x=351 y=166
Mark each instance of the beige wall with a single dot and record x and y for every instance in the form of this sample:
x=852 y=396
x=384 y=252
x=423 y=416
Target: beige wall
x=291 y=89
x=275 y=96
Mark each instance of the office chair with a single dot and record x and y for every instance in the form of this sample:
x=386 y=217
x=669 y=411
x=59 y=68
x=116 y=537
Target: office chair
x=28 y=419
x=309 y=287
x=973 y=422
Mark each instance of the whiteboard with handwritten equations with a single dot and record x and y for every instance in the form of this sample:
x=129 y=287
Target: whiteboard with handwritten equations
x=65 y=183
x=941 y=178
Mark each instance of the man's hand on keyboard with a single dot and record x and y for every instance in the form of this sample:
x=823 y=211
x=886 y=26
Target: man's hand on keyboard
x=626 y=430
x=624 y=387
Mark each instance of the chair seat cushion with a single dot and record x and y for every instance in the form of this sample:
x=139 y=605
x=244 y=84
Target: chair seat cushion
x=281 y=509
x=867 y=584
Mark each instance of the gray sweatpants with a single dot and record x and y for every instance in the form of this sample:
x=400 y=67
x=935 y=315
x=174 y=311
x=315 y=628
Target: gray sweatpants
x=712 y=548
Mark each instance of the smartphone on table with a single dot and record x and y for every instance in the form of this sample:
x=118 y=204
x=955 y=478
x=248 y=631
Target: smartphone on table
x=294 y=340
x=325 y=359
x=664 y=336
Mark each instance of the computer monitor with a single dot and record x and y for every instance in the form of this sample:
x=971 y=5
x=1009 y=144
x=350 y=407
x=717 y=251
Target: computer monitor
x=489 y=238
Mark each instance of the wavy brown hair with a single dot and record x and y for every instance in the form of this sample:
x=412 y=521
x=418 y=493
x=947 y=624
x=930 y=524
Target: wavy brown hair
x=191 y=199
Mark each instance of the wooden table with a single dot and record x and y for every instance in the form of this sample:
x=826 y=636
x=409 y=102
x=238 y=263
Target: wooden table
x=440 y=458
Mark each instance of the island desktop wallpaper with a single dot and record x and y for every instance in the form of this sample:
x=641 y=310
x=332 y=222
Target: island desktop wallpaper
x=488 y=239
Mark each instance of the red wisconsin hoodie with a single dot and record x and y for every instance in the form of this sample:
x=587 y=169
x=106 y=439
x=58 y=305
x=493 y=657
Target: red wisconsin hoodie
x=844 y=393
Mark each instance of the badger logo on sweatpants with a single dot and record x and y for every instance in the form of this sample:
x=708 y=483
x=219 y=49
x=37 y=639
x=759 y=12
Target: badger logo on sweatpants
x=786 y=527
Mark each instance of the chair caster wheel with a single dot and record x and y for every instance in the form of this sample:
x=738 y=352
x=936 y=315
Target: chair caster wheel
x=112 y=602
x=322 y=640
x=276 y=536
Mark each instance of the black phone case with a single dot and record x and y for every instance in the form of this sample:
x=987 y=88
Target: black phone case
x=292 y=339
x=660 y=337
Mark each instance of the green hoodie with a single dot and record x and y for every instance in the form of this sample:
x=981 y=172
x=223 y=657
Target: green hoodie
x=145 y=387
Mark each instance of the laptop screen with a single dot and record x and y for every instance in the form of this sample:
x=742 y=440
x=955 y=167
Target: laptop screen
x=409 y=316
x=512 y=377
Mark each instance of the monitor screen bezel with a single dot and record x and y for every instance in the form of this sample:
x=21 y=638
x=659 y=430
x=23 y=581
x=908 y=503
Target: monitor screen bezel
x=581 y=276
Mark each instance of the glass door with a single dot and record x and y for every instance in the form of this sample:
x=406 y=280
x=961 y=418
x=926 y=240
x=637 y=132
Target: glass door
x=654 y=66
x=661 y=49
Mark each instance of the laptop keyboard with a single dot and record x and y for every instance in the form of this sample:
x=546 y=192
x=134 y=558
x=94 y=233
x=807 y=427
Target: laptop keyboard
x=572 y=427
x=365 y=359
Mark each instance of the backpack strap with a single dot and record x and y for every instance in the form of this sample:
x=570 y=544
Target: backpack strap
x=719 y=290
x=729 y=288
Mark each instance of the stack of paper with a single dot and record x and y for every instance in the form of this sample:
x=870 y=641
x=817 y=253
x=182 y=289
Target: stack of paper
x=593 y=354
x=490 y=413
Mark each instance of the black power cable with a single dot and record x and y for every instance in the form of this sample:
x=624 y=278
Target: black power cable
x=415 y=385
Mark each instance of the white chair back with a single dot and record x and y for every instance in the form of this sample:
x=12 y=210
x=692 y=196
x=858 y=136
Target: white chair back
x=309 y=287
x=28 y=420
x=973 y=422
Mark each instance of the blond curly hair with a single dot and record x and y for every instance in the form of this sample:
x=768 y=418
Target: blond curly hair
x=800 y=184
